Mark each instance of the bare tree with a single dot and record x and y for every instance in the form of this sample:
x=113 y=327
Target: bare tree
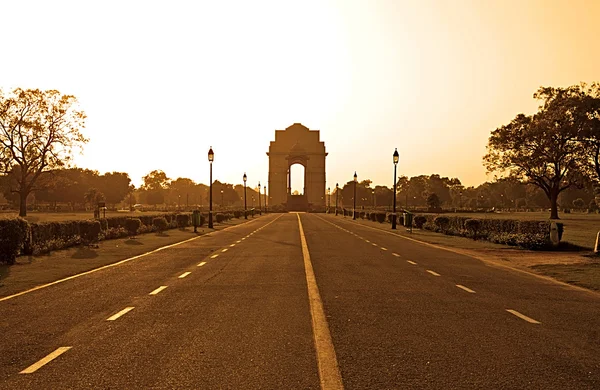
x=38 y=131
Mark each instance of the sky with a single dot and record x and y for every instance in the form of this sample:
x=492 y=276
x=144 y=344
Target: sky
x=161 y=82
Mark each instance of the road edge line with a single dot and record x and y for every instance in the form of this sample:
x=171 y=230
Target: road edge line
x=329 y=371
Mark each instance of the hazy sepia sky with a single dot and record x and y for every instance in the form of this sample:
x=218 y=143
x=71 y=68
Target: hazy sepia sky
x=163 y=81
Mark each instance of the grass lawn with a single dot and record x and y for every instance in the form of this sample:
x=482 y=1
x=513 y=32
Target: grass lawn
x=580 y=274
x=580 y=228
x=34 y=216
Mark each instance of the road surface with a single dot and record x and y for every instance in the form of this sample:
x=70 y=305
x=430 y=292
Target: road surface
x=301 y=301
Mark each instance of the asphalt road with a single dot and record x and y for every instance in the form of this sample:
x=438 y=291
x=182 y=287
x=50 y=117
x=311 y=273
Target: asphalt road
x=301 y=301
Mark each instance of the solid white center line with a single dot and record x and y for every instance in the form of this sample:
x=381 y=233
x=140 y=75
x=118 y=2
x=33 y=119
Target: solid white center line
x=183 y=275
x=214 y=256
x=224 y=250
x=523 y=316
x=433 y=272
x=201 y=264
x=158 y=290
x=119 y=314
x=395 y=254
x=34 y=367
x=329 y=371
x=465 y=288
x=383 y=249
x=411 y=262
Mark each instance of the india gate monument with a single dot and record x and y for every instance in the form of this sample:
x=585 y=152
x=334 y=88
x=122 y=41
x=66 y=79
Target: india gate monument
x=297 y=145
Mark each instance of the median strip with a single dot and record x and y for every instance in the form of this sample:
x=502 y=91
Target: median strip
x=36 y=366
x=119 y=314
x=523 y=316
x=158 y=290
x=329 y=372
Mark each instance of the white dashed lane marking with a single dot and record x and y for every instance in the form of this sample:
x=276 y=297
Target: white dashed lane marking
x=158 y=290
x=395 y=254
x=119 y=314
x=36 y=366
x=522 y=316
x=214 y=256
x=183 y=275
x=201 y=264
x=411 y=262
x=383 y=249
x=465 y=288
x=224 y=250
x=433 y=272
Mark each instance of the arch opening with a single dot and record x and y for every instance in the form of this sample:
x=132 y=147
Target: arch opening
x=297 y=179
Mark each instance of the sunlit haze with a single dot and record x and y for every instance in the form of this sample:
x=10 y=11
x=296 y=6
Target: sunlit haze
x=161 y=82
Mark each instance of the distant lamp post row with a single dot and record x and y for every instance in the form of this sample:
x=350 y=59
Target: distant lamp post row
x=337 y=190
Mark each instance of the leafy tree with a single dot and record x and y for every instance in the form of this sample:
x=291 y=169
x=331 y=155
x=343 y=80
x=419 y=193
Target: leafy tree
x=433 y=201
x=93 y=196
x=578 y=203
x=115 y=186
x=542 y=149
x=155 y=186
x=38 y=131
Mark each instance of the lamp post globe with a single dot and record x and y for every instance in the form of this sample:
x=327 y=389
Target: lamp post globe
x=396 y=158
x=259 y=206
x=354 y=199
x=245 y=204
x=211 y=158
x=337 y=189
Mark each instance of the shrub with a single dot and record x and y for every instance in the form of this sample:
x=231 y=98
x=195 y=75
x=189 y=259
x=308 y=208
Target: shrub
x=380 y=217
x=14 y=233
x=183 y=220
x=442 y=222
x=219 y=217
x=160 y=223
x=419 y=221
x=132 y=225
x=237 y=214
x=89 y=231
x=473 y=226
x=103 y=223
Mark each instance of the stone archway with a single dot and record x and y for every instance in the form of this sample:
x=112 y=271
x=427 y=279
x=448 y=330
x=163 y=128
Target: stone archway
x=297 y=145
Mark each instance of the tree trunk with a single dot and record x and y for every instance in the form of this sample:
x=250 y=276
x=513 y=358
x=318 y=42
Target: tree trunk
x=23 y=204
x=554 y=204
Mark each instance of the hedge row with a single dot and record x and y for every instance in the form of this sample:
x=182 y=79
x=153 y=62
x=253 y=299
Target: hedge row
x=526 y=234
x=17 y=236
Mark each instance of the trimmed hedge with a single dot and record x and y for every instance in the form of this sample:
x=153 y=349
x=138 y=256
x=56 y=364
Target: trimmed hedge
x=132 y=225
x=160 y=223
x=526 y=234
x=13 y=235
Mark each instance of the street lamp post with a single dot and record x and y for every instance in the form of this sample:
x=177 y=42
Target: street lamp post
x=374 y=201
x=460 y=200
x=354 y=208
x=396 y=158
x=222 y=203
x=337 y=189
x=265 y=192
x=328 y=199
x=211 y=157
x=259 y=206
x=245 y=206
